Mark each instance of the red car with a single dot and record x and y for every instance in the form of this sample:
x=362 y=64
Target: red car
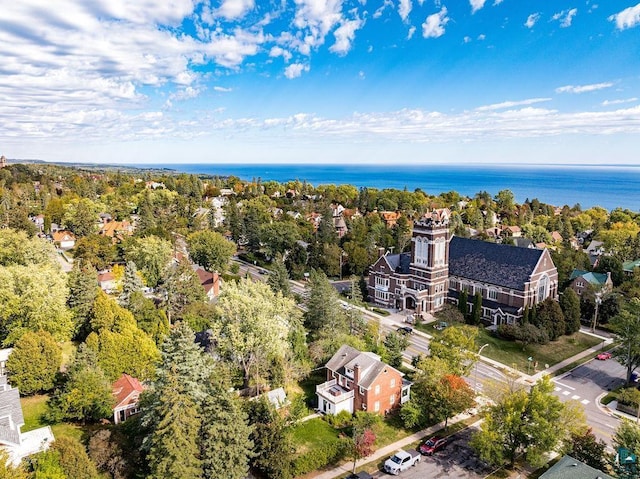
x=603 y=356
x=432 y=445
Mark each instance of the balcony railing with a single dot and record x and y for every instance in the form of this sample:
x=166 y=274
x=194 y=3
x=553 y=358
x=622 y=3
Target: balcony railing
x=333 y=392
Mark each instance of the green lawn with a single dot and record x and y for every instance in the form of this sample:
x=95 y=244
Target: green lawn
x=34 y=407
x=312 y=434
x=513 y=354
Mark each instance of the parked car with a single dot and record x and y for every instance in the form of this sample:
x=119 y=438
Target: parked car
x=604 y=356
x=401 y=461
x=432 y=445
x=405 y=330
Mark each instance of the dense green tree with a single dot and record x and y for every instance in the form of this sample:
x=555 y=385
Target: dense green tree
x=254 y=327
x=210 y=250
x=570 y=305
x=279 y=278
x=149 y=318
x=272 y=441
x=613 y=265
x=324 y=314
x=395 y=344
x=34 y=362
x=80 y=216
x=73 y=458
x=152 y=256
x=627 y=328
x=86 y=394
x=183 y=289
x=549 y=317
x=278 y=237
x=95 y=249
x=131 y=283
x=457 y=346
x=531 y=423
x=18 y=248
x=586 y=448
x=83 y=288
x=46 y=465
x=476 y=313
x=463 y=303
x=174 y=451
x=224 y=436
x=296 y=261
x=33 y=298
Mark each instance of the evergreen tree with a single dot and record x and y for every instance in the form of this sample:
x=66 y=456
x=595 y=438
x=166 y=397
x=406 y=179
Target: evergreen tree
x=224 y=436
x=570 y=305
x=395 y=344
x=323 y=308
x=355 y=293
x=174 y=451
x=477 y=309
x=131 y=283
x=462 y=303
x=279 y=278
x=326 y=233
x=83 y=287
x=272 y=441
x=74 y=460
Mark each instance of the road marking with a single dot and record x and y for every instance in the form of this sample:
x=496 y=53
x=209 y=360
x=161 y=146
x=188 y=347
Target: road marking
x=565 y=386
x=575 y=396
x=585 y=401
x=557 y=389
x=565 y=393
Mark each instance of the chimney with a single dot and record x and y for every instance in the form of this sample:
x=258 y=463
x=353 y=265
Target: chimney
x=380 y=252
x=356 y=375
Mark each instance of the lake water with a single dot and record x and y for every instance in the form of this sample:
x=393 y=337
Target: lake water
x=606 y=186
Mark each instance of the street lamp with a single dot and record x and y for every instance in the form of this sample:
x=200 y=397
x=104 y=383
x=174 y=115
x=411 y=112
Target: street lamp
x=475 y=380
x=595 y=314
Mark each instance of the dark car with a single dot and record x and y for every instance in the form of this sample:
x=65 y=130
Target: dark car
x=432 y=445
x=405 y=330
x=360 y=475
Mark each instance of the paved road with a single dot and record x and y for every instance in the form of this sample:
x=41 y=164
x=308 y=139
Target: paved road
x=456 y=460
x=585 y=384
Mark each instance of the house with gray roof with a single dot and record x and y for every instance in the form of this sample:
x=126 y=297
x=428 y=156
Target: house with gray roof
x=570 y=468
x=17 y=444
x=439 y=267
x=359 y=381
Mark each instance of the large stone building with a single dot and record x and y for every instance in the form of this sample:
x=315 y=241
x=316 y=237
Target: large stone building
x=439 y=267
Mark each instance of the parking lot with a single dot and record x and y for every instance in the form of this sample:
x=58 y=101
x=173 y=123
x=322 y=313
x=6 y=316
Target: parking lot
x=456 y=460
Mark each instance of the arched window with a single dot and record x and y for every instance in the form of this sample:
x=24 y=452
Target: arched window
x=422 y=251
x=543 y=288
x=439 y=249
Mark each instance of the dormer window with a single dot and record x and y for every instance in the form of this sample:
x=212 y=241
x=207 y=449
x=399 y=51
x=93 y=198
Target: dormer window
x=348 y=372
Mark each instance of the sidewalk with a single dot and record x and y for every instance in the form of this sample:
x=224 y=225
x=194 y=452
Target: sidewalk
x=387 y=451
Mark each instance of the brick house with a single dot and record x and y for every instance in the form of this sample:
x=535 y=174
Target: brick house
x=586 y=280
x=439 y=267
x=64 y=239
x=359 y=381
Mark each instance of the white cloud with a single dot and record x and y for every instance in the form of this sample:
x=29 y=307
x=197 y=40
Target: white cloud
x=511 y=104
x=583 y=88
x=497 y=2
x=316 y=18
x=433 y=27
x=619 y=102
x=565 y=17
x=466 y=39
x=295 y=70
x=234 y=9
x=482 y=36
x=404 y=8
x=627 y=18
x=345 y=34
x=411 y=31
x=361 y=75
x=532 y=20
x=222 y=89
x=277 y=51
x=186 y=93
x=476 y=5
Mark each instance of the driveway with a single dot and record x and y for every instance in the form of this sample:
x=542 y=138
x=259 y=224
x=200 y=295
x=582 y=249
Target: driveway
x=457 y=460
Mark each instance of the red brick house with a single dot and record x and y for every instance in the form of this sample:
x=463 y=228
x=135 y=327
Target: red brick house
x=439 y=267
x=582 y=281
x=127 y=392
x=358 y=381
x=209 y=281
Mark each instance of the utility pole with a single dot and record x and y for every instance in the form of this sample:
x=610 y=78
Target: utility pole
x=475 y=380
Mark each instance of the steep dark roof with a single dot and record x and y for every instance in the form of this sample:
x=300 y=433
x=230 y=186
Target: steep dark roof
x=499 y=264
x=399 y=262
x=570 y=468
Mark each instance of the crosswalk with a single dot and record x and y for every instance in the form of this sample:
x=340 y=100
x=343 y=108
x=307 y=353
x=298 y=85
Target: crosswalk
x=566 y=391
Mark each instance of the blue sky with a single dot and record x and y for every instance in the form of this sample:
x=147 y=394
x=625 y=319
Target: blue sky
x=388 y=81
